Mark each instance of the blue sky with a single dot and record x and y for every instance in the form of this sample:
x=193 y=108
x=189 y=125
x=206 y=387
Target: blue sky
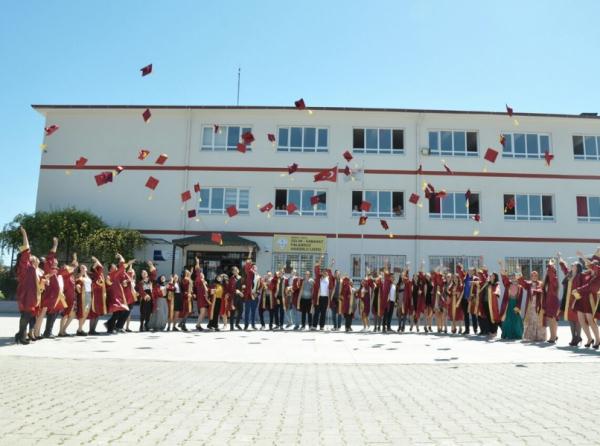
x=538 y=56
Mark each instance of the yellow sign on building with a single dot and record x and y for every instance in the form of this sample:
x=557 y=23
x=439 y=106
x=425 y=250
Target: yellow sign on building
x=300 y=243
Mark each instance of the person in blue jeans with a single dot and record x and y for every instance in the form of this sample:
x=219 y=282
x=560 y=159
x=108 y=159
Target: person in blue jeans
x=251 y=302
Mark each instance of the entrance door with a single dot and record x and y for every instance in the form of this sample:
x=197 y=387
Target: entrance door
x=214 y=263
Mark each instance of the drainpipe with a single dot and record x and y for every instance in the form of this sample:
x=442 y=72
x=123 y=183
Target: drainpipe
x=417 y=242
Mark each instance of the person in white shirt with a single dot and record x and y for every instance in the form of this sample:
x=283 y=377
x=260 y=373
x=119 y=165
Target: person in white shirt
x=321 y=309
x=389 y=309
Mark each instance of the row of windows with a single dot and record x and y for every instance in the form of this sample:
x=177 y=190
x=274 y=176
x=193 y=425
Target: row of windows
x=390 y=204
x=391 y=141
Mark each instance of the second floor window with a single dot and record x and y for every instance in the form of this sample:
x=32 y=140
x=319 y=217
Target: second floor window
x=215 y=200
x=450 y=262
x=302 y=199
x=302 y=139
x=453 y=142
x=586 y=147
x=525 y=145
x=454 y=206
x=374 y=140
x=383 y=203
x=532 y=207
x=588 y=209
x=526 y=265
x=225 y=138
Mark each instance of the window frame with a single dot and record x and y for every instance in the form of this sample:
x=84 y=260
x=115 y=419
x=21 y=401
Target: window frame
x=589 y=218
x=314 y=212
x=226 y=148
x=585 y=156
x=214 y=211
x=302 y=149
x=379 y=261
x=529 y=217
x=378 y=214
x=509 y=136
x=454 y=216
x=301 y=259
x=512 y=262
x=445 y=260
x=379 y=151
x=437 y=151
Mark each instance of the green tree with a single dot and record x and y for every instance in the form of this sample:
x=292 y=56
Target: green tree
x=106 y=242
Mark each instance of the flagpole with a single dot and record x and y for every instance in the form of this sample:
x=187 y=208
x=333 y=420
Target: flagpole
x=337 y=211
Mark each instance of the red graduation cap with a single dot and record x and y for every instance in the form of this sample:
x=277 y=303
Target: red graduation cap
x=319 y=198
x=248 y=138
x=502 y=140
x=510 y=204
x=448 y=169
x=82 y=161
x=241 y=147
x=362 y=220
x=477 y=218
x=327 y=175
x=384 y=224
x=216 y=128
x=143 y=154
x=420 y=169
x=119 y=169
x=151 y=183
x=51 y=129
x=490 y=155
x=468 y=194
x=509 y=110
x=548 y=157
x=232 y=211
x=103 y=178
x=147 y=115
x=441 y=194
x=185 y=196
x=146 y=70
x=429 y=190
x=291 y=208
x=267 y=207
x=414 y=198
x=191 y=213
x=161 y=159
x=215 y=237
x=300 y=105
x=365 y=206
x=292 y=168
x=271 y=137
x=347 y=156
x=347 y=171
x=197 y=187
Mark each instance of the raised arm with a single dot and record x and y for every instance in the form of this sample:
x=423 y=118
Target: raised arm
x=54 y=245
x=25 y=245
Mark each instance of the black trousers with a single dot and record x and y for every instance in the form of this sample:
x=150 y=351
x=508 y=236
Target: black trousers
x=236 y=317
x=320 y=312
x=214 y=320
x=279 y=314
x=50 y=318
x=261 y=316
x=122 y=318
x=489 y=326
x=145 y=312
x=337 y=321
x=117 y=320
x=23 y=322
x=305 y=305
x=348 y=318
x=464 y=306
x=387 y=316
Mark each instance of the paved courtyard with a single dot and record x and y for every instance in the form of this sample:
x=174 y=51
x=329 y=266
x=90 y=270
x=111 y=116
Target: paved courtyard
x=295 y=388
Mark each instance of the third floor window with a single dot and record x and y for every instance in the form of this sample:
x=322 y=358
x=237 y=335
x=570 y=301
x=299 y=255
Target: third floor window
x=376 y=140
x=525 y=145
x=453 y=142
x=586 y=147
x=302 y=139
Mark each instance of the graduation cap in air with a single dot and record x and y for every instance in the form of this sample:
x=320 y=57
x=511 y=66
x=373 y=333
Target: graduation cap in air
x=365 y=206
x=151 y=183
x=292 y=168
x=509 y=110
x=162 y=158
x=216 y=128
x=548 y=157
x=82 y=161
x=420 y=169
x=347 y=171
x=241 y=147
x=510 y=204
x=414 y=198
x=384 y=224
x=191 y=213
x=447 y=168
x=319 y=198
x=477 y=218
x=441 y=194
x=468 y=194
x=429 y=190
x=146 y=70
x=232 y=211
x=51 y=129
x=185 y=196
x=490 y=155
x=502 y=140
x=143 y=154
x=215 y=237
x=271 y=137
x=103 y=178
x=248 y=138
x=300 y=105
x=119 y=169
x=147 y=115
x=362 y=220
x=291 y=208
x=347 y=156
x=267 y=207
x=197 y=187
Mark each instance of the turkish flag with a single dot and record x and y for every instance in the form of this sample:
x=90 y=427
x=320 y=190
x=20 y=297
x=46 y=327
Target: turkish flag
x=327 y=175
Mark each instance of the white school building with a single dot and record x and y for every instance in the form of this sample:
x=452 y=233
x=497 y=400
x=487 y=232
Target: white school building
x=528 y=210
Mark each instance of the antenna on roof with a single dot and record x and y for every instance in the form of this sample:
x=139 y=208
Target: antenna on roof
x=238 y=89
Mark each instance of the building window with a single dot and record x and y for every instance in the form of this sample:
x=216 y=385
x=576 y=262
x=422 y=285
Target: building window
x=450 y=262
x=226 y=138
x=453 y=142
x=215 y=200
x=302 y=139
x=301 y=198
x=383 y=203
x=525 y=145
x=297 y=261
x=530 y=207
x=586 y=147
x=588 y=209
x=454 y=206
x=527 y=265
x=374 y=263
x=376 y=140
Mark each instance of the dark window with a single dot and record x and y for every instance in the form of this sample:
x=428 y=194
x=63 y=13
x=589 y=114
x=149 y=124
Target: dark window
x=471 y=141
x=358 y=137
x=398 y=203
x=474 y=204
x=547 y=206
x=280 y=199
x=435 y=204
x=509 y=204
x=398 y=139
x=577 y=145
x=582 y=208
x=356 y=200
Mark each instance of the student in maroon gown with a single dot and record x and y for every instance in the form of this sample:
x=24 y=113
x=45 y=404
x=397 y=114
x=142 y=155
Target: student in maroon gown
x=587 y=300
x=551 y=304
x=346 y=303
x=405 y=303
x=67 y=272
x=187 y=297
x=83 y=292
x=98 y=303
x=571 y=281
x=53 y=298
x=117 y=302
x=201 y=291
x=131 y=295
